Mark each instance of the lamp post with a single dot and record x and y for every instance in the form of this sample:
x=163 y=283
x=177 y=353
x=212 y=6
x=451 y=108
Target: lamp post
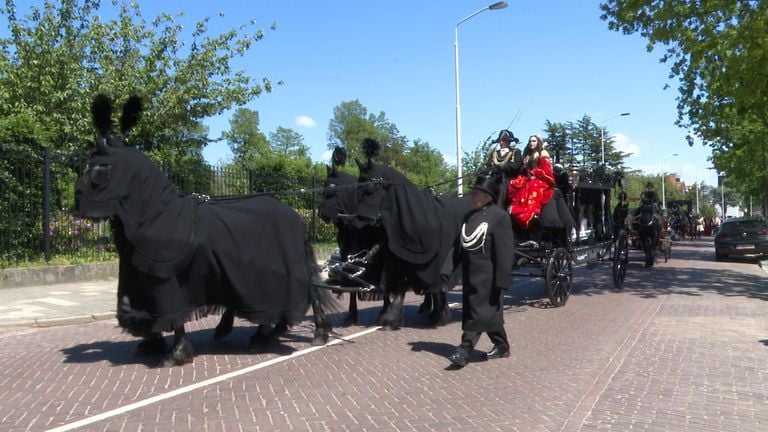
x=722 y=192
x=602 y=138
x=494 y=6
x=663 y=181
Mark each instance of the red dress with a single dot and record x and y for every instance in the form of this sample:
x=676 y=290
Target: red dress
x=528 y=194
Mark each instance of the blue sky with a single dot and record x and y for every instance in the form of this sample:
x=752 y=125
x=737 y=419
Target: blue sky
x=519 y=66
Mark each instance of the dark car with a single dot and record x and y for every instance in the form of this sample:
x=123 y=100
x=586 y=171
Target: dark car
x=741 y=236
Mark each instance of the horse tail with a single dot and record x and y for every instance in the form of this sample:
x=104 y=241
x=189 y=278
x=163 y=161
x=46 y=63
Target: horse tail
x=318 y=297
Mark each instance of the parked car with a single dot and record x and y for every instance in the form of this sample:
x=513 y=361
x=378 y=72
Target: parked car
x=741 y=236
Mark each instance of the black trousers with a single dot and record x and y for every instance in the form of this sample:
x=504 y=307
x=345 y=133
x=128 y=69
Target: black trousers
x=470 y=338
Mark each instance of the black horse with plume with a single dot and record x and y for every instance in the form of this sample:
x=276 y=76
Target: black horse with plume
x=338 y=206
x=183 y=257
x=417 y=232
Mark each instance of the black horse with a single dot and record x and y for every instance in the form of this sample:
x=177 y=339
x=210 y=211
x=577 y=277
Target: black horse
x=361 y=245
x=338 y=206
x=418 y=233
x=183 y=257
x=648 y=231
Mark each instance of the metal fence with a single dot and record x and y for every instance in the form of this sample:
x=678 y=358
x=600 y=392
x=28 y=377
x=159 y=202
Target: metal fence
x=37 y=200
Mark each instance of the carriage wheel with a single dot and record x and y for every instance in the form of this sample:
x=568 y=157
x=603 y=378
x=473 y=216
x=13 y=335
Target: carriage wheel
x=620 y=259
x=559 y=277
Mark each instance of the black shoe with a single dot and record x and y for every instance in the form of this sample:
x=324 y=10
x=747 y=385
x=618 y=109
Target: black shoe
x=498 y=351
x=459 y=358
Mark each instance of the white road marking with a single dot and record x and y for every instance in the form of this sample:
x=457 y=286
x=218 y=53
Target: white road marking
x=201 y=384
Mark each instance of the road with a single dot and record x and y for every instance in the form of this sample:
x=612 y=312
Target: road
x=683 y=347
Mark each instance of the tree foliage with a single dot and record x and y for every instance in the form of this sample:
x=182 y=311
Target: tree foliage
x=61 y=53
x=246 y=141
x=288 y=142
x=352 y=123
x=718 y=52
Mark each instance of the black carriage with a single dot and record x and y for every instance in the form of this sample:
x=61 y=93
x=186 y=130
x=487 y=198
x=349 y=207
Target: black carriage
x=594 y=238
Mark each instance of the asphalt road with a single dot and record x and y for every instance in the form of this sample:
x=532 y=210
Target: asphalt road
x=683 y=347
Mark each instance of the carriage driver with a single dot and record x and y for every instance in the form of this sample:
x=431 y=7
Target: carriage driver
x=648 y=197
x=506 y=161
x=486 y=252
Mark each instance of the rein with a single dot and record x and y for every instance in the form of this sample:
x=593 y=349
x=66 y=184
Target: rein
x=205 y=197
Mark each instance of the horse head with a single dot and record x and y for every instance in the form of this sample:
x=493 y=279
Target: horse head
x=339 y=200
x=646 y=215
x=112 y=165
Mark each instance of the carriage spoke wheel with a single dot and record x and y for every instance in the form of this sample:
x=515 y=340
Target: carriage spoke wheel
x=559 y=277
x=620 y=259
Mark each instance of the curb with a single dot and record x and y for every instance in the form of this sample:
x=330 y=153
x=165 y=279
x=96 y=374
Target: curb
x=59 y=321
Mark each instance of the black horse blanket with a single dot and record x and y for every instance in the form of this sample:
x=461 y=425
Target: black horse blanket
x=421 y=229
x=182 y=257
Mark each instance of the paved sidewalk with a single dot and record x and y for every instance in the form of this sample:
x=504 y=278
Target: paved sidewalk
x=58 y=304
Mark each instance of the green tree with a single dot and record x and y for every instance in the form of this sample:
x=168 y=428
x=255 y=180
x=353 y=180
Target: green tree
x=288 y=142
x=247 y=142
x=352 y=123
x=425 y=167
x=61 y=53
x=718 y=52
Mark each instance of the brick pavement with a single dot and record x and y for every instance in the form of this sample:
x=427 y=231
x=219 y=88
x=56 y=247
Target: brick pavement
x=683 y=347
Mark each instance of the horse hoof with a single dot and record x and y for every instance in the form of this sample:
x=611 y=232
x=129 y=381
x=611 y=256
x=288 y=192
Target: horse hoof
x=258 y=342
x=390 y=327
x=151 y=346
x=171 y=361
x=279 y=330
x=181 y=354
x=349 y=321
x=320 y=340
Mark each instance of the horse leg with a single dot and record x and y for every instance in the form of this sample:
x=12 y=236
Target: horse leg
x=322 y=326
x=427 y=303
x=351 y=318
x=224 y=328
x=441 y=313
x=261 y=337
x=393 y=318
x=153 y=344
x=384 y=307
x=181 y=352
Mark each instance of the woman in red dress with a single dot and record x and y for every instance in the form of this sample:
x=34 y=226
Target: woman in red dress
x=530 y=191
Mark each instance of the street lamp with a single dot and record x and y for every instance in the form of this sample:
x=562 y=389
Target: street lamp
x=663 y=181
x=721 y=182
x=602 y=139
x=495 y=6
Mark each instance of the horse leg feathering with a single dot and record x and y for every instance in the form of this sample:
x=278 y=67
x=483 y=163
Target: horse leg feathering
x=181 y=352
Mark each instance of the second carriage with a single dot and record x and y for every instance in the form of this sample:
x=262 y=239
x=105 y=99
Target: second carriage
x=595 y=237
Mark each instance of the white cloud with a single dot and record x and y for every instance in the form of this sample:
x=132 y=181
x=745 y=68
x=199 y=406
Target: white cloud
x=327 y=155
x=449 y=159
x=622 y=143
x=305 y=121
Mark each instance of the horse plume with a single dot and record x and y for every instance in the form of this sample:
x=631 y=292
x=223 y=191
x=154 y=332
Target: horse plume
x=339 y=157
x=101 y=110
x=371 y=148
x=131 y=113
